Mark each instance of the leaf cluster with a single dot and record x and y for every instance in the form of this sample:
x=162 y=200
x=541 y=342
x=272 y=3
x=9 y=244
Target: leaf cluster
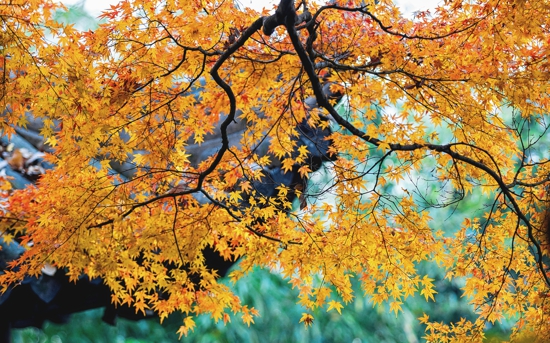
x=151 y=87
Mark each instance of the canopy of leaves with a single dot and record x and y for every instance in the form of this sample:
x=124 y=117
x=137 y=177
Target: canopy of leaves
x=126 y=93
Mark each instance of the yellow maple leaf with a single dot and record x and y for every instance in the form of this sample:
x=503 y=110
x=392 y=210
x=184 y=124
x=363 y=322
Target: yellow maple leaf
x=307 y=319
x=335 y=305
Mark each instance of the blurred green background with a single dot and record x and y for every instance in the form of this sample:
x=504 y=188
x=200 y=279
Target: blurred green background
x=279 y=320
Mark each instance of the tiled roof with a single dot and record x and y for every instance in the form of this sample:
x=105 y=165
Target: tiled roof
x=51 y=296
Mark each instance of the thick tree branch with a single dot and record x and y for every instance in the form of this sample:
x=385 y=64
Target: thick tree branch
x=232 y=101
x=257 y=25
x=323 y=102
x=273 y=21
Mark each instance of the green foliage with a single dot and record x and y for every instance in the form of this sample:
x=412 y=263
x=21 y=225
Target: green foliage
x=279 y=320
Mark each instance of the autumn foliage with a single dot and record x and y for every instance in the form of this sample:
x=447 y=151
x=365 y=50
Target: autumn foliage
x=456 y=97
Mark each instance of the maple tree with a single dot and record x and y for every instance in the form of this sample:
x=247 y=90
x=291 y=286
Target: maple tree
x=455 y=97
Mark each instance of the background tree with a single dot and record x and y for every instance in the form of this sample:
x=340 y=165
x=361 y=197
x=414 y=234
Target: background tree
x=126 y=94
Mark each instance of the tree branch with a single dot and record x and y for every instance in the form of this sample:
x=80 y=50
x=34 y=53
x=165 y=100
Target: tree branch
x=322 y=101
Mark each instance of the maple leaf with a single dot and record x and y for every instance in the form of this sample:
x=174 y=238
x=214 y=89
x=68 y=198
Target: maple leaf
x=288 y=164
x=307 y=319
x=428 y=293
x=424 y=319
x=304 y=171
x=248 y=315
x=188 y=325
x=335 y=305
x=395 y=306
